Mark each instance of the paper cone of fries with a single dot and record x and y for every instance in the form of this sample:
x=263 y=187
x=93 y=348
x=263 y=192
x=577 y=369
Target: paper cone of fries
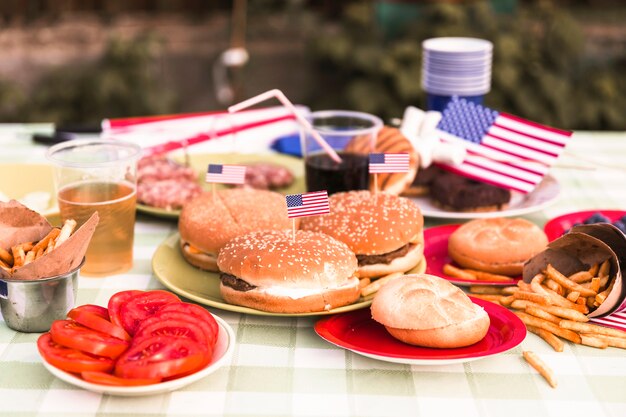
x=19 y=225
x=580 y=249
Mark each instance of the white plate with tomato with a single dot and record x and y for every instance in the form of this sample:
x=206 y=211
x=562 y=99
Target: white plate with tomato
x=144 y=343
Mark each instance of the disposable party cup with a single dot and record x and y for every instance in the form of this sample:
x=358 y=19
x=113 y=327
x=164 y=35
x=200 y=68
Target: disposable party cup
x=352 y=135
x=439 y=103
x=99 y=175
x=32 y=305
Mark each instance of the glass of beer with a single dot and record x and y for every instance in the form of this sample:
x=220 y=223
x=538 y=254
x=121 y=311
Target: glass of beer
x=99 y=175
x=353 y=136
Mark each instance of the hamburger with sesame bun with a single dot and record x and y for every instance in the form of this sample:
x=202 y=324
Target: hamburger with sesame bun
x=209 y=221
x=383 y=230
x=273 y=271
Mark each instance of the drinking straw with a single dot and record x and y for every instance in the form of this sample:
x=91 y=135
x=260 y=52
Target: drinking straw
x=130 y=122
x=276 y=93
x=203 y=137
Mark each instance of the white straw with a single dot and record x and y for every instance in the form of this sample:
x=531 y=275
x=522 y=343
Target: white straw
x=276 y=93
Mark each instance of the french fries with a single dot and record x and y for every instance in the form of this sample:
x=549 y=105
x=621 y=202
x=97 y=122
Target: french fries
x=374 y=286
x=474 y=275
x=27 y=252
x=543 y=369
x=556 y=343
x=554 y=306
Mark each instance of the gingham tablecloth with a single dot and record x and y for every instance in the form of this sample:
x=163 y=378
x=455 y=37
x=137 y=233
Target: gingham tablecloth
x=280 y=367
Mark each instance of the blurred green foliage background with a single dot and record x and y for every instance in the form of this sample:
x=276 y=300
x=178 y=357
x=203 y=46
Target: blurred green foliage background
x=360 y=54
x=539 y=67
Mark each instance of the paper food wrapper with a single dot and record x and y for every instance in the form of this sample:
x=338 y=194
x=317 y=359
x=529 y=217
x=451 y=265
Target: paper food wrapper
x=579 y=249
x=19 y=224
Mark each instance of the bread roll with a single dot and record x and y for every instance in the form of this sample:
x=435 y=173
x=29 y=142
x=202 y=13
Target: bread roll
x=426 y=310
x=498 y=245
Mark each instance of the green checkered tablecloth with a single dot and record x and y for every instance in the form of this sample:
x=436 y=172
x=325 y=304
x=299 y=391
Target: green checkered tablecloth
x=280 y=367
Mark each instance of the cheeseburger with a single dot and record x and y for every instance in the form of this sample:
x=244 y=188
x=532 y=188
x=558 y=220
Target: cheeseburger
x=383 y=230
x=426 y=310
x=273 y=271
x=209 y=221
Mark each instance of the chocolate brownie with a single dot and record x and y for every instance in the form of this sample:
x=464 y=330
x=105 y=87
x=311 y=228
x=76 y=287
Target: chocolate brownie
x=454 y=192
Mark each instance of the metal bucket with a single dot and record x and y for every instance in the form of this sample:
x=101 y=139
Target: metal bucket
x=32 y=305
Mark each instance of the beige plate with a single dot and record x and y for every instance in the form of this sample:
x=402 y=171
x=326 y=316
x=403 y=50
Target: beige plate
x=203 y=287
x=18 y=180
x=201 y=161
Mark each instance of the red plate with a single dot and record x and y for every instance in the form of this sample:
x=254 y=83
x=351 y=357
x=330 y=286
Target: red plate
x=358 y=332
x=436 y=255
x=557 y=226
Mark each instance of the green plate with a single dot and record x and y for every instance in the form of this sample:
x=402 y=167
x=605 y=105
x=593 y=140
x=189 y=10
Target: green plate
x=203 y=287
x=18 y=180
x=201 y=161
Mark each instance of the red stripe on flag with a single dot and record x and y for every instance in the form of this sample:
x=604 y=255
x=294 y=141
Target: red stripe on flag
x=523 y=145
x=477 y=165
x=463 y=173
x=526 y=168
x=537 y=125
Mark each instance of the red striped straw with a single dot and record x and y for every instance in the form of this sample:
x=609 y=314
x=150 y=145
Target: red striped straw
x=129 y=122
x=203 y=137
x=280 y=96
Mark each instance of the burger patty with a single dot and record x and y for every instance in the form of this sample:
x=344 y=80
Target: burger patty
x=235 y=283
x=384 y=258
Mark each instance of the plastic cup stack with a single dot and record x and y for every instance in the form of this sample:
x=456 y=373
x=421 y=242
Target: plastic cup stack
x=456 y=67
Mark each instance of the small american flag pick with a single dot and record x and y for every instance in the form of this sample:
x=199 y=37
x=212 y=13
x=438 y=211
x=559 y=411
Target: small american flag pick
x=226 y=174
x=388 y=162
x=307 y=204
x=503 y=150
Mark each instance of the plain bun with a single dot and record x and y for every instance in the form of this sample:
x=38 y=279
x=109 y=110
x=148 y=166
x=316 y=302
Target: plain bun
x=426 y=310
x=497 y=245
x=312 y=272
x=210 y=220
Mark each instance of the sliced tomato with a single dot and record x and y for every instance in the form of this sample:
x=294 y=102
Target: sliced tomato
x=97 y=322
x=73 y=335
x=71 y=360
x=115 y=303
x=141 y=306
x=209 y=338
x=161 y=357
x=194 y=311
x=160 y=326
x=93 y=309
x=104 y=378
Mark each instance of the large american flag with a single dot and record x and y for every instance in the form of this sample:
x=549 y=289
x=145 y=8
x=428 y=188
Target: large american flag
x=226 y=174
x=388 y=162
x=307 y=204
x=502 y=149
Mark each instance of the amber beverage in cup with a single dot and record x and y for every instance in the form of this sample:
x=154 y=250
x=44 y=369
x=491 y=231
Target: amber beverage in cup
x=352 y=135
x=99 y=175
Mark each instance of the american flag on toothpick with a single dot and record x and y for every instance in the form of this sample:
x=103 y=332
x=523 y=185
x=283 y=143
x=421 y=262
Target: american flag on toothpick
x=502 y=149
x=307 y=204
x=388 y=162
x=226 y=174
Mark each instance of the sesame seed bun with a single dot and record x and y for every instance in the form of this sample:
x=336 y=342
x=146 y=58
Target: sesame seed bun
x=207 y=222
x=497 y=245
x=373 y=224
x=426 y=310
x=389 y=140
x=312 y=273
